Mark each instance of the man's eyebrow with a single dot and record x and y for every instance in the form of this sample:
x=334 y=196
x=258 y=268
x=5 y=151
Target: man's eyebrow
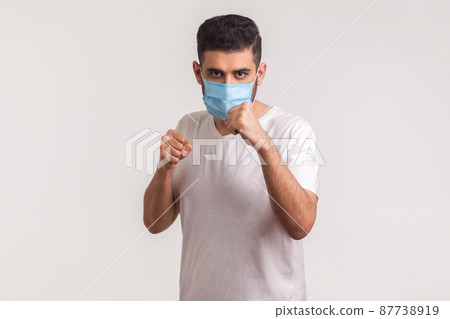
x=213 y=70
x=218 y=70
x=242 y=70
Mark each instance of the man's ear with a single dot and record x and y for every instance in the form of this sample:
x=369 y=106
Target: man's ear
x=197 y=72
x=261 y=73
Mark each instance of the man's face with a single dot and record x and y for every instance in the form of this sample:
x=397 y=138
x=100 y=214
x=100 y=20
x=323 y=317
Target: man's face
x=229 y=68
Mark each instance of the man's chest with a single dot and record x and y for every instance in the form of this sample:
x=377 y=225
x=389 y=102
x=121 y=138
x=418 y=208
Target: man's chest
x=230 y=161
x=223 y=184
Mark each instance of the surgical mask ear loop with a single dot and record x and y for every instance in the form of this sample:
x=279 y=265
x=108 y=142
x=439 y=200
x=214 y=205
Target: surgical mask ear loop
x=256 y=75
x=201 y=73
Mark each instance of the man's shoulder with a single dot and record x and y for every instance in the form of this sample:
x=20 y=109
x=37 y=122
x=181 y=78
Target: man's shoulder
x=288 y=123
x=193 y=119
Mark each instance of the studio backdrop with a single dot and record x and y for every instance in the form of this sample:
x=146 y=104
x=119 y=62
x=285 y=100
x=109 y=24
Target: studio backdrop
x=79 y=79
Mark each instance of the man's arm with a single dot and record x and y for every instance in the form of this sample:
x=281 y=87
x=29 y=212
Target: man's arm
x=294 y=206
x=160 y=207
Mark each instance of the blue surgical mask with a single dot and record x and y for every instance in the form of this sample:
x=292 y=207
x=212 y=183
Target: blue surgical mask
x=220 y=97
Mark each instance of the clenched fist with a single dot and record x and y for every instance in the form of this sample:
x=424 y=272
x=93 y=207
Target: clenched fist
x=241 y=120
x=174 y=147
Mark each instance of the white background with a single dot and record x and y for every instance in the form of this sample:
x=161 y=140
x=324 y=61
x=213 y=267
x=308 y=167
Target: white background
x=70 y=97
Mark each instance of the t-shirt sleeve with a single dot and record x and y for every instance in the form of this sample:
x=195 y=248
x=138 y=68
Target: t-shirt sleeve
x=183 y=125
x=303 y=158
x=179 y=126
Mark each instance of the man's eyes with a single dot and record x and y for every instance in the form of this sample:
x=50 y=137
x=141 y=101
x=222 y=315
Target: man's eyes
x=216 y=74
x=239 y=75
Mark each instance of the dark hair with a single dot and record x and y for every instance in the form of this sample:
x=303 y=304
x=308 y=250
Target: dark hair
x=229 y=33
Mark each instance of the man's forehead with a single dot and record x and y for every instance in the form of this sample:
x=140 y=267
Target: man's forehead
x=222 y=60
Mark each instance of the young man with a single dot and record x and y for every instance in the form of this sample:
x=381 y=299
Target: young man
x=231 y=173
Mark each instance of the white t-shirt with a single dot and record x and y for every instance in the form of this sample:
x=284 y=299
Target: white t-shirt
x=234 y=247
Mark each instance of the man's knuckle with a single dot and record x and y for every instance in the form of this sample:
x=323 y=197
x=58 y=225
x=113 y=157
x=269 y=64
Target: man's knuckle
x=182 y=139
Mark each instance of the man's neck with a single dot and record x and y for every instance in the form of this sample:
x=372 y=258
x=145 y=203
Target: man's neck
x=258 y=110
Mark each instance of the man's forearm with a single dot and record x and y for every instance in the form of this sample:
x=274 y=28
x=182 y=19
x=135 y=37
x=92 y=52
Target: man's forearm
x=292 y=205
x=158 y=200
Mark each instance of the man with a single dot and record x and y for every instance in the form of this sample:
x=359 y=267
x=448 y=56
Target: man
x=243 y=201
